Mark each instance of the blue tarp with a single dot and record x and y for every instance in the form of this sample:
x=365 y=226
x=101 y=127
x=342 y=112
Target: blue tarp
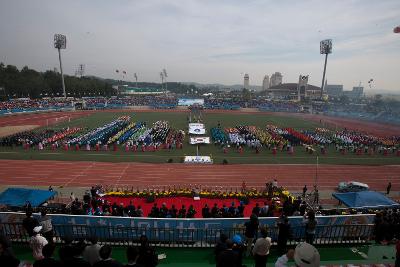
x=18 y=197
x=365 y=199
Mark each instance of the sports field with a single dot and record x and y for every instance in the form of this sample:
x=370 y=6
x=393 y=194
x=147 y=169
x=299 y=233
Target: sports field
x=178 y=119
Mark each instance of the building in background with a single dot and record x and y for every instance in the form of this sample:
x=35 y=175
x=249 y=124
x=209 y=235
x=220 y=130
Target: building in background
x=334 y=90
x=290 y=91
x=246 y=84
x=265 y=84
x=302 y=87
x=356 y=93
x=276 y=79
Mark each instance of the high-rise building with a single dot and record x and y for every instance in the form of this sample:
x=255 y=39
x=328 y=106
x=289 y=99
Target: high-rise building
x=246 y=81
x=276 y=79
x=265 y=84
x=334 y=90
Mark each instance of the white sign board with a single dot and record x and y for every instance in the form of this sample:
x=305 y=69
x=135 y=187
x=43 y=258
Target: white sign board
x=190 y=101
x=196 y=128
x=198 y=159
x=199 y=140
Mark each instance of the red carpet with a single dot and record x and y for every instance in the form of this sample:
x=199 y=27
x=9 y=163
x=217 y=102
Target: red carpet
x=179 y=201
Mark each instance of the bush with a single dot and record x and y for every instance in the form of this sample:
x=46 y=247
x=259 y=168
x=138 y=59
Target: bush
x=225 y=161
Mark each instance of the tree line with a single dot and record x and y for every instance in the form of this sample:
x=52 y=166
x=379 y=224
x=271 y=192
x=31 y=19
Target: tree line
x=15 y=83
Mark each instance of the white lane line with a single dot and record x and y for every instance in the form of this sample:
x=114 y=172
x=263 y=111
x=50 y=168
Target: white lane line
x=82 y=173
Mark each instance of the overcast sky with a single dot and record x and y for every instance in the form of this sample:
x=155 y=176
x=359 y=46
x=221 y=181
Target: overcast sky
x=208 y=41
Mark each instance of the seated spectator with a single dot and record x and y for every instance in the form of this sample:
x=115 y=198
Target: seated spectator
x=48 y=260
x=132 y=254
x=228 y=257
x=106 y=260
x=37 y=243
x=256 y=210
x=91 y=252
x=173 y=212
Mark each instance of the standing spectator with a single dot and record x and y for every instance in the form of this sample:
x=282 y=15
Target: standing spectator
x=283 y=234
x=205 y=212
x=29 y=223
x=228 y=257
x=214 y=210
x=48 y=260
x=282 y=261
x=221 y=245
x=191 y=212
x=182 y=212
x=250 y=232
x=37 y=243
x=310 y=224
x=47 y=227
x=261 y=249
x=256 y=210
x=306 y=255
x=132 y=254
x=264 y=210
x=388 y=188
x=91 y=252
x=304 y=190
x=147 y=255
x=106 y=260
x=238 y=248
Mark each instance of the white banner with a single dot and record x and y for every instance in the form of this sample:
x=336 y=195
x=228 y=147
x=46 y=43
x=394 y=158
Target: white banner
x=196 y=128
x=198 y=159
x=199 y=140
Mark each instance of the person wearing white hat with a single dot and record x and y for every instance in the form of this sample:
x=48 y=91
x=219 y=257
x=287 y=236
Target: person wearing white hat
x=306 y=255
x=37 y=243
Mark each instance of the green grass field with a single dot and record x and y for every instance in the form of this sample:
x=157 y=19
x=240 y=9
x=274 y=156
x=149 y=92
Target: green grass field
x=179 y=120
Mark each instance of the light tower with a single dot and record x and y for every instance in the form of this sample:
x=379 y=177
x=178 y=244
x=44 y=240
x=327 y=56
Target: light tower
x=325 y=48
x=60 y=42
x=165 y=77
x=135 y=75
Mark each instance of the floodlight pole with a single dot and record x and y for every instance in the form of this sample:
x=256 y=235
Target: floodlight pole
x=62 y=75
x=323 y=75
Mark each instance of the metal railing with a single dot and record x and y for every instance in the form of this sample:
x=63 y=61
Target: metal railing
x=191 y=237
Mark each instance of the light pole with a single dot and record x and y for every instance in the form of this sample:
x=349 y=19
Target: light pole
x=325 y=47
x=165 y=77
x=135 y=75
x=60 y=42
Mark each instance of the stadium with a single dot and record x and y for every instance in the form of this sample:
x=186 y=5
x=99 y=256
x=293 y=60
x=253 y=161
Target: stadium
x=124 y=164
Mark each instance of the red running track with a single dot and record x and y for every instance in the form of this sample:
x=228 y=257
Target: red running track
x=142 y=175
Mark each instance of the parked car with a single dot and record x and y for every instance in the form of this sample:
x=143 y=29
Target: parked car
x=352 y=187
